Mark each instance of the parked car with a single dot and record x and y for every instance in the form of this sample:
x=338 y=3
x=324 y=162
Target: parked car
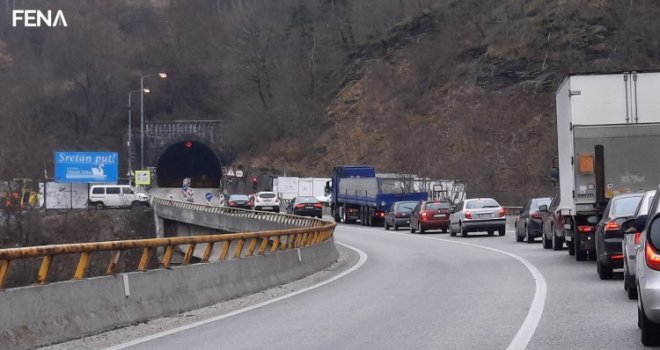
x=552 y=224
x=430 y=215
x=266 y=201
x=477 y=214
x=631 y=241
x=116 y=196
x=305 y=206
x=648 y=281
x=241 y=201
x=399 y=214
x=608 y=237
x=528 y=223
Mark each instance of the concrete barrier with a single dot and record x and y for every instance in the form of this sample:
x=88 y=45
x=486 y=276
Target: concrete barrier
x=40 y=315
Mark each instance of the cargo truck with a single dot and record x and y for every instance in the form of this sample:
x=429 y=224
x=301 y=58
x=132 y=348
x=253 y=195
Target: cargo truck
x=357 y=195
x=608 y=130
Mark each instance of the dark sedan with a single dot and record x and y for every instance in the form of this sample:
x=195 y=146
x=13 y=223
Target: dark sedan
x=609 y=238
x=528 y=223
x=553 y=225
x=305 y=206
x=239 y=201
x=399 y=214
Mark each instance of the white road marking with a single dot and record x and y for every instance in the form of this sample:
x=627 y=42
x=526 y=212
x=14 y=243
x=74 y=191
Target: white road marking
x=531 y=322
x=363 y=259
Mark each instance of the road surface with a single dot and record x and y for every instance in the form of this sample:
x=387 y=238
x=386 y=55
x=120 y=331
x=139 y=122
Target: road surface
x=432 y=292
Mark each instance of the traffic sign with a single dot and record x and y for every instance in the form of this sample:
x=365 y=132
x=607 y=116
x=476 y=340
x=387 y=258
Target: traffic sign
x=209 y=196
x=239 y=173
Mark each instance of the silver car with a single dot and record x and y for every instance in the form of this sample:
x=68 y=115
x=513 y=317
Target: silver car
x=477 y=214
x=631 y=242
x=648 y=282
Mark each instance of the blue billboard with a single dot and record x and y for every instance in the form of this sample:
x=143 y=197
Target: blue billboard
x=86 y=167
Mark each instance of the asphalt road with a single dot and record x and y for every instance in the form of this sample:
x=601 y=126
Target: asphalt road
x=427 y=292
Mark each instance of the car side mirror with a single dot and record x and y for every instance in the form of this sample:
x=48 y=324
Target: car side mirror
x=628 y=226
x=640 y=223
x=543 y=208
x=592 y=219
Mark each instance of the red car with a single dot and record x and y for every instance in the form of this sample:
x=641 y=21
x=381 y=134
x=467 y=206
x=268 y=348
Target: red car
x=430 y=215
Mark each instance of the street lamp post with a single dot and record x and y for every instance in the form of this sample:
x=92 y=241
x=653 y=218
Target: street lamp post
x=162 y=76
x=130 y=125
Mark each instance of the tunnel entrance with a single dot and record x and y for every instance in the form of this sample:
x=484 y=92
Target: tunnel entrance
x=189 y=159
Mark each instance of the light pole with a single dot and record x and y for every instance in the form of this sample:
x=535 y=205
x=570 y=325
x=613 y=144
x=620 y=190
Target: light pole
x=162 y=76
x=130 y=125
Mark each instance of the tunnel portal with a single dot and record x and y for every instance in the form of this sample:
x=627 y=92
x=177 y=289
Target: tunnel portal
x=189 y=159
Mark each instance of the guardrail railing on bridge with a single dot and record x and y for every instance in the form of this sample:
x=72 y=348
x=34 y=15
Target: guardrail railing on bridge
x=312 y=231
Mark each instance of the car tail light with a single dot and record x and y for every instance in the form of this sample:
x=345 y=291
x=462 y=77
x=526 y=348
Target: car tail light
x=616 y=256
x=612 y=226
x=585 y=228
x=300 y=205
x=652 y=257
x=424 y=215
x=380 y=214
x=534 y=215
x=318 y=205
x=468 y=215
x=638 y=236
x=503 y=213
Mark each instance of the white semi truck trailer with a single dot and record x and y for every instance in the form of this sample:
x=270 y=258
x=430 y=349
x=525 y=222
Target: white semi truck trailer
x=608 y=134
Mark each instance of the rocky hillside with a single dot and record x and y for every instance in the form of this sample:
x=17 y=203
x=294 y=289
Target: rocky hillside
x=466 y=90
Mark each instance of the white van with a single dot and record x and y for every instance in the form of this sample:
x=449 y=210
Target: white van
x=116 y=196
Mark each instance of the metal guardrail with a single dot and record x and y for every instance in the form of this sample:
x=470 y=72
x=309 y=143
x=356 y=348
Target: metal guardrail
x=312 y=231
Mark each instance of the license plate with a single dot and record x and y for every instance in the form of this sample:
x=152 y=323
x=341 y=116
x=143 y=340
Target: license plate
x=440 y=216
x=266 y=207
x=484 y=215
x=309 y=207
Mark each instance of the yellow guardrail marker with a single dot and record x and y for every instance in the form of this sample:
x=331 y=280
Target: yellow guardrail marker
x=82 y=266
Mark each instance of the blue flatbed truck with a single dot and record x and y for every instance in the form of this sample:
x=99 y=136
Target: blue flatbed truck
x=357 y=195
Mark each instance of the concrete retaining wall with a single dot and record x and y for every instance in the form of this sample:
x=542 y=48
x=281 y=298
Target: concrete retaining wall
x=39 y=315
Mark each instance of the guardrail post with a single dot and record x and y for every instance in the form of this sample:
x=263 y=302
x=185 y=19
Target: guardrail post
x=167 y=257
x=239 y=248
x=189 y=253
x=207 y=252
x=82 y=266
x=4 y=269
x=252 y=246
x=276 y=244
x=114 y=259
x=264 y=245
x=43 y=270
x=144 y=259
x=225 y=250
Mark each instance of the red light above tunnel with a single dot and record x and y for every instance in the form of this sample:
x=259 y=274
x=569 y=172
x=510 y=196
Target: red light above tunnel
x=188 y=144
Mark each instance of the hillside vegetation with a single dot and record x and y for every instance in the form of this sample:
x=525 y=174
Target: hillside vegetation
x=447 y=89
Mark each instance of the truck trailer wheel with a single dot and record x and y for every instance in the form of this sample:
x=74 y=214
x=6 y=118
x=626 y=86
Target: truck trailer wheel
x=604 y=272
x=580 y=254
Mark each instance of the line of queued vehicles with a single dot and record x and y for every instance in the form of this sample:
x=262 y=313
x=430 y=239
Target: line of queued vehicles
x=270 y=201
x=606 y=208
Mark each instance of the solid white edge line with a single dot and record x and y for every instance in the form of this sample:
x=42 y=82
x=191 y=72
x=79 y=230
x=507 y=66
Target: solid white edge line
x=363 y=259
x=531 y=322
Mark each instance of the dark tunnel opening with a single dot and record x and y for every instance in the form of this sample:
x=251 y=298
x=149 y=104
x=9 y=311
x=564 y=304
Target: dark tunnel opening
x=189 y=159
